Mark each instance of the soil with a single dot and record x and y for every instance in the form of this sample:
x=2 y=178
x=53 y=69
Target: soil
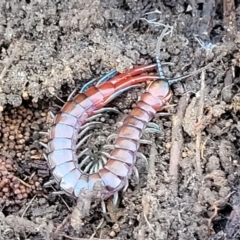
x=48 y=48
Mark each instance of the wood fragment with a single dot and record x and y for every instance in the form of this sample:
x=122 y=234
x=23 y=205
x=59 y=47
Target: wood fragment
x=177 y=141
x=199 y=132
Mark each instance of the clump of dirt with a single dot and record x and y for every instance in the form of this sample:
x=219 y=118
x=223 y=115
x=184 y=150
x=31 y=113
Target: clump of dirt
x=49 y=48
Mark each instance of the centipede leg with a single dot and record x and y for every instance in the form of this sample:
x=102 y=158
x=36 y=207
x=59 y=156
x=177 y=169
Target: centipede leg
x=49 y=183
x=82 y=153
x=44 y=133
x=111 y=137
x=82 y=133
x=45 y=156
x=89 y=124
x=126 y=187
x=144 y=141
x=99 y=113
x=153 y=125
x=59 y=193
x=83 y=140
x=142 y=156
x=105 y=78
x=106 y=154
x=84 y=161
x=119 y=92
x=136 y=174
x=151 y=130
x=93 y=117
x=107 y=109
x=52 y=115
x=43 y=144
x=87 y=168
x=108 y=146
x=104 y=210
x=104 y=160
x=115 y=200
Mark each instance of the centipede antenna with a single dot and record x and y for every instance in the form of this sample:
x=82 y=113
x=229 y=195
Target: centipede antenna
x=159 y=41
x=178 y=79
x=194 y=73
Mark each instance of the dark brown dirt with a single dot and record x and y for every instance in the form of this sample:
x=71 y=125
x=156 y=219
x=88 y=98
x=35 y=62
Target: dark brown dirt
x=48 y=48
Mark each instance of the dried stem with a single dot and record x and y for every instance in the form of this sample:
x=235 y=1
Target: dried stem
x=199 y=132
x=177 y=140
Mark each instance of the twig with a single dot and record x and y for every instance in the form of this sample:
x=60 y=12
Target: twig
x=24 y=183
x=217 y=205
x=99 y=225
x=177 y=140
x=29 y=204
x=62 y=224
x=151 y=161
x=199 y=132
x=69 y=209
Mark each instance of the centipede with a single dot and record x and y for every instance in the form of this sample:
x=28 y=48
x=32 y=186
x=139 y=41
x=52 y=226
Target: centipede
x=71 y=123
x=66 y=130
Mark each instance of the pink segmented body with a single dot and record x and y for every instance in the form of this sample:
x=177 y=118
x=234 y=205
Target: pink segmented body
x=63 y=136
x=119 y=166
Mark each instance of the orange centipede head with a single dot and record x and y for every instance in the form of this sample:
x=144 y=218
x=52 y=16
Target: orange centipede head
x=159 y=89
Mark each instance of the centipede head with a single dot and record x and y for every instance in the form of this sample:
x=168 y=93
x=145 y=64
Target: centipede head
x=159 y=88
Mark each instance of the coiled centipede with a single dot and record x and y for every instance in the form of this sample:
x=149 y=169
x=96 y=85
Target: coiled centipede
x=63 y=134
